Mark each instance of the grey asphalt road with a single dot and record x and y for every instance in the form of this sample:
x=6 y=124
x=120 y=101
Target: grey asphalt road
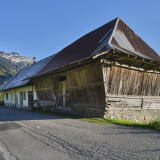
x=33 y=136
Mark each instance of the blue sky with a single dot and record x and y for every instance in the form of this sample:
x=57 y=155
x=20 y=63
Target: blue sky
x=40 y=28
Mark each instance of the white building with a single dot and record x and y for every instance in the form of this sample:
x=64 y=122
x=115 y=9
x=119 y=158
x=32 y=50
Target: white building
x=20 y=93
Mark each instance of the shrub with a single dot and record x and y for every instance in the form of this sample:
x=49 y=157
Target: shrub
x=155 y=124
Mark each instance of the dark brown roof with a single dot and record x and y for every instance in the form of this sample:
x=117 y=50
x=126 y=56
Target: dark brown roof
x=116 y=34
x=124 y=33
x=81 y=48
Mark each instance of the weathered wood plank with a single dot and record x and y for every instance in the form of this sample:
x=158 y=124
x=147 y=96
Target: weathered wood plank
x=132 y=97
x=124 y=100
x=138 y=108
x=107 y=80
x=123 y=106
x=124 y=103
x=123 y=81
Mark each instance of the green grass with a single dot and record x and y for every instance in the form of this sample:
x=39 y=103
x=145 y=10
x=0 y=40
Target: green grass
x=1 y=96
x=47 y=111
x=106 y=121
x=155 y=124
x=115 y=121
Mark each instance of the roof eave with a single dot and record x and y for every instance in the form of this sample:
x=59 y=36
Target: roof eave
x=15 y=87
x=76 y=63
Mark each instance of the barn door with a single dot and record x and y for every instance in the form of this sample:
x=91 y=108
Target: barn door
x=63 y=98
x=60 y=95
x=66 y=97
x=30 y=99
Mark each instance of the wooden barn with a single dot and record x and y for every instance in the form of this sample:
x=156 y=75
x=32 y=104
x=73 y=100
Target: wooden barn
x=110 y=72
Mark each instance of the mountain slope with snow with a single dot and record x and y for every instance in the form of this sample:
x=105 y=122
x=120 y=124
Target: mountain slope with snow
x=10 y=64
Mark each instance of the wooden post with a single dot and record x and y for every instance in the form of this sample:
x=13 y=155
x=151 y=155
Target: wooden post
x=142 y=104
x=64 y=94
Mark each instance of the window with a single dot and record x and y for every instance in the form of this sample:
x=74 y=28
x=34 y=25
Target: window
x=24 y=95
x=6 y=95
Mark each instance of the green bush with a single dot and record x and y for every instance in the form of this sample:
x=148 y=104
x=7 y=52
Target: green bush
x=1 y=96
x=155 y=124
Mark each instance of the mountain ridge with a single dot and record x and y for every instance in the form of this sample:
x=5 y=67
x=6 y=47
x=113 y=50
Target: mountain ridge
x=10 y=64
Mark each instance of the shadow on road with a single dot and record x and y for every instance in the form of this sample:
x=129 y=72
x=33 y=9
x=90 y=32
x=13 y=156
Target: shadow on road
x=10 y=114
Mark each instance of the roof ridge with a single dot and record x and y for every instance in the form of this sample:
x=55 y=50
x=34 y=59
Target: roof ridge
x=107 y=40
x=115 y=26
x=129 y=39
x=139 y=36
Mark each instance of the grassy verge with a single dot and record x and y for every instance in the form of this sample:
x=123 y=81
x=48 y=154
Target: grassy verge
x=106 y=121
x=1 y=96
x=155 y=124
x=115 y=121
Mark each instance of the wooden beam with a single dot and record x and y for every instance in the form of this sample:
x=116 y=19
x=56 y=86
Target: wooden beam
x=118 y=58
x=92 y=84
x=155 y=67
x=44 y=88
x=136 y=59
x=139 y=60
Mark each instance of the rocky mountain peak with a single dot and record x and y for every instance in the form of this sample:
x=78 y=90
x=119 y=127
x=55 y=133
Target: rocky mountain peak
x=14 y=53
x=10 y=63
x=16 y=58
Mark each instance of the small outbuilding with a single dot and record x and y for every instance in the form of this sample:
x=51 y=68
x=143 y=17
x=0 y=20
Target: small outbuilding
x=21 y=94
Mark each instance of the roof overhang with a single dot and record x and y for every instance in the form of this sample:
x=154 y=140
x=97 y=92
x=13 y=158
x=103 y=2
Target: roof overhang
x=72 y=65
x=117 y=53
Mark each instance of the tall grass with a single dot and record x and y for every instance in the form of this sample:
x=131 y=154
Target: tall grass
x=155 y=124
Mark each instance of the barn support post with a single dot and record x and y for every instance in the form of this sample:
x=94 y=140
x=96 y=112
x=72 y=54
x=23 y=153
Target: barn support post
x=106 y=72
x=43 y=100
x=64 y=95
x=142 y=106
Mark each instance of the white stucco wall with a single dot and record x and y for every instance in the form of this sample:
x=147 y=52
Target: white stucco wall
x=11 y=102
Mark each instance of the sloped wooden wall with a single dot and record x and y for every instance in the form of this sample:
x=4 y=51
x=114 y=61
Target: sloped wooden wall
x=45 y=88
x=121 y=81
x=86 y=86
x=131 y=89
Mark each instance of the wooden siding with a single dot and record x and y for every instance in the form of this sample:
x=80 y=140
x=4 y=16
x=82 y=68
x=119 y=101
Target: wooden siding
x=44 y=83
x=131 y=102
x=130 y=89
x=45 y=88
x=86 y=86
x=121 y=81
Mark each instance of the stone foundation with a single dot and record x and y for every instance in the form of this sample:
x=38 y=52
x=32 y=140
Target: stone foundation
x=96 y=111
x=144 y=116
x=10 y=105
x=46 y=104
